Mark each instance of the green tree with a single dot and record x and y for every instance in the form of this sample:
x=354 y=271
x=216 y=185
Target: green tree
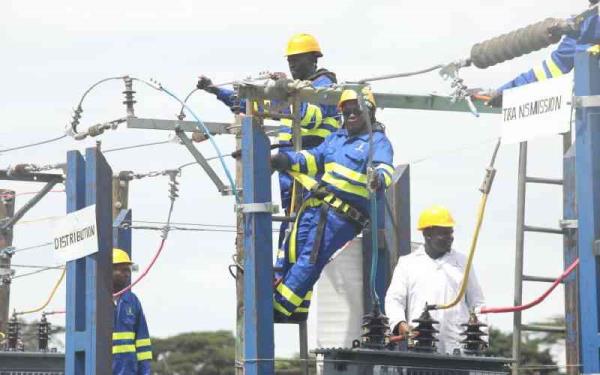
x=202 y=353
x=531 y=354
x=205 y=353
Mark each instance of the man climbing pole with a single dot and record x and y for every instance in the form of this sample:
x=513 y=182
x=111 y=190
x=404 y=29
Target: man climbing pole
x=336 y=208
x=317 y=121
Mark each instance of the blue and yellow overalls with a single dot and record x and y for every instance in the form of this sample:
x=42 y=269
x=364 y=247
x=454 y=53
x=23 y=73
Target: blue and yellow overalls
x=334 y=212
x=132 y=349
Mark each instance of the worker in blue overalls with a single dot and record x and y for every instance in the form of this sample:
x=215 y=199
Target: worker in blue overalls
x=317 y=121
x=132 y=350
x=336 y=207
x=562 y=59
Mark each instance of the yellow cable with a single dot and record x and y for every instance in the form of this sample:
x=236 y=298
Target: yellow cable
x=465 y=279
x=62 y=276
x=2 y=335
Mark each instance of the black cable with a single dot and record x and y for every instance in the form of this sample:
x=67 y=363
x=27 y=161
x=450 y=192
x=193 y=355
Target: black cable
x=33 y=144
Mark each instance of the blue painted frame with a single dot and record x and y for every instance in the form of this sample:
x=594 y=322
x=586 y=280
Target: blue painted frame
x=587 y=151
x=89 y=280
x=259 y=348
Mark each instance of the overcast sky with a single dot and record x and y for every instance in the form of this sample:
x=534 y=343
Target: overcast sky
x=53 y=51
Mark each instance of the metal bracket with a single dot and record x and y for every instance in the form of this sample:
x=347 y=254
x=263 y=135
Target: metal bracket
x=596 y=248
x=253 y=208
x=187 y=142
x=587 y=101
x=7 y=251
x=6 y=272
x=568 y=224
x=27 y=206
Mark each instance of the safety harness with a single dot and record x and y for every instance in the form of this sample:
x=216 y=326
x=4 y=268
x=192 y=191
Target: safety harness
x=330 y=201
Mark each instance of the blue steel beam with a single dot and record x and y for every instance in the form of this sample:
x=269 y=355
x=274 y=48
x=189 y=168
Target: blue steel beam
x=75 y=295
x=587 y=82
x=89 y=280
x=258 y=258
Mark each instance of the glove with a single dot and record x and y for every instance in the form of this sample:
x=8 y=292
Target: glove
x=495 y=100
x=280 y=162
x=206 y=84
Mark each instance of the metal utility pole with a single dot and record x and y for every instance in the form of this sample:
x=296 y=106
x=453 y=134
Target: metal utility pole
x=120 y=195
x=7 y=210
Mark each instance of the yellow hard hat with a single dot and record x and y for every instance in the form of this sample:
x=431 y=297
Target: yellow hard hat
x=435 y=216
x=351 y=95
x=303 y=43
x=121 y=257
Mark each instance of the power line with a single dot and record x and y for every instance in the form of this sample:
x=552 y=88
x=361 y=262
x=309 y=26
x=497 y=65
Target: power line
x=188 y=224
x=38 y=271
x=32 y=247
x=29 y=266
x=33 y=144
x=174 y=227
x=135 y=146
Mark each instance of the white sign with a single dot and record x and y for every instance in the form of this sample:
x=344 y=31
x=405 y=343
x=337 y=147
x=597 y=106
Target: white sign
x=76 y=235
x=536 y=110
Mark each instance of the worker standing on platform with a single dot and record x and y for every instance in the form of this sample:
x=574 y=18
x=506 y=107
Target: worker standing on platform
x=337 y=207
x=562 y=59
x=317 y=121
x=433 y=274
x=132 y=351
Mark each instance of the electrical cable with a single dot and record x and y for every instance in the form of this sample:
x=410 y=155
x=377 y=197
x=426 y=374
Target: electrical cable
x=190 y=224
x=373 y=212
x=400 y=75
x=32 y=247
x=201 y=126
x=54 y=289
x=485 y=190
x=535 y=302
x=160 y=247
x=33 y=266
x=79 y=110
x=36 y=272
x=35 y=192
x=134 y=146
x=33 y=144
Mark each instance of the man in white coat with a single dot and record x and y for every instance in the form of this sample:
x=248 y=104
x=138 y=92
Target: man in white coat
x=432 y=275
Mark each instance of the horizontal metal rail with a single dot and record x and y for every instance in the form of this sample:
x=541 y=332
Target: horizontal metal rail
x=540 y=180
x=539 y=279
x=536 y=328
x=529 y=228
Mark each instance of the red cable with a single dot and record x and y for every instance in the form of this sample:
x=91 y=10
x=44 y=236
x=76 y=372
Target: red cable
x=495 y=310
x=160 y=248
